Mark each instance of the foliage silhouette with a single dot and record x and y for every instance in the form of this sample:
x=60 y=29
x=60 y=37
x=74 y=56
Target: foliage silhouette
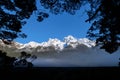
x=22 y=60
x=11 y=62
x=6 y=61
x=103 y=14
x=106 y=25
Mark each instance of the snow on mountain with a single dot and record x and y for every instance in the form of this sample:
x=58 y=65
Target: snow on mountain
x=73 y=52
x=57 y=44
x=71 y=41
x=31 y=44
x=87 y=42
x=74 y=42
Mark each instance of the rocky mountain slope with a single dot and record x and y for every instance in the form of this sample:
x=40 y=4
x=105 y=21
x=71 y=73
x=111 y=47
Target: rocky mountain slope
x=51 y=45
x=71 y=52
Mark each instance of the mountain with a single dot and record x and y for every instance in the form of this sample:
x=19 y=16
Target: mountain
x=71 y=52
x=51 y=44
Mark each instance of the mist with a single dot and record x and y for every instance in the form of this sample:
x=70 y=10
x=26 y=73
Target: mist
x=80 y=56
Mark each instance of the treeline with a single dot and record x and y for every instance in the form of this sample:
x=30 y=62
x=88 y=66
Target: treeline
x=12 y=62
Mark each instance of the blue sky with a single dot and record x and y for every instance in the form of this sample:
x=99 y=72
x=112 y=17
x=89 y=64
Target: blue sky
x=56 y=26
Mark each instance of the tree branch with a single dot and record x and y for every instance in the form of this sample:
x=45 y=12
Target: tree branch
x=89 y=19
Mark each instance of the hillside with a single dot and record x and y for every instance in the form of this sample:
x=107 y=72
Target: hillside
x=70 y=52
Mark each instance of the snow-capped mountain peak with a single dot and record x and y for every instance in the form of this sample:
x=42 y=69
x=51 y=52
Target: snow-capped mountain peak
x=87 y=42
x=74 y=42
x=32 y=44
x=56 y=44
x=70 y=39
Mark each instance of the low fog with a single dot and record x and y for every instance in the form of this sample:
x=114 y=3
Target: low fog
x=71 y=52
x=78 y=56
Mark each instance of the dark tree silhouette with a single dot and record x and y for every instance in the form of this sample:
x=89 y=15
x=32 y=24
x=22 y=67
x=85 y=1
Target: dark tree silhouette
x=6 y=61
x=12 y=62
x=12 y=15
x=22 y=60
x=104 y=15
x=106 y=26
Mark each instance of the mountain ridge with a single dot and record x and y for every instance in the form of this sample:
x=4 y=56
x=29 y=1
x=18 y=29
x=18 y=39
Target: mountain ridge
x=69 y=52
x=52 y=44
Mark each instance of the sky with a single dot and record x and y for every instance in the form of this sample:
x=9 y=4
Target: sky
x=56 y=26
